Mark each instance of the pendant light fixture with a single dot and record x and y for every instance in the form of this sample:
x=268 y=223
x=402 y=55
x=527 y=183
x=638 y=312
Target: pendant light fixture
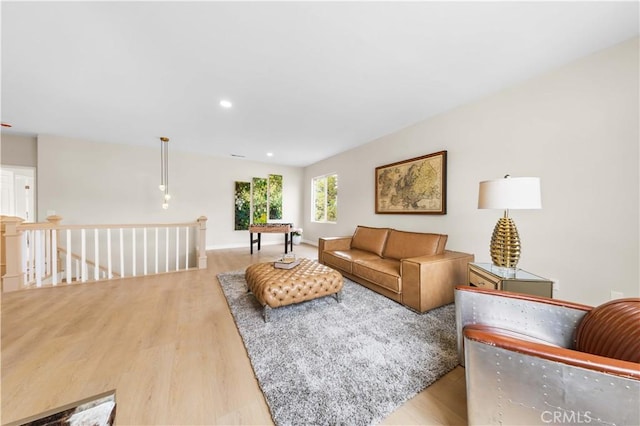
x=164 y=171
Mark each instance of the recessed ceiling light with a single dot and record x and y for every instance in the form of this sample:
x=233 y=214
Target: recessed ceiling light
x=269 y=154
x=225 y=103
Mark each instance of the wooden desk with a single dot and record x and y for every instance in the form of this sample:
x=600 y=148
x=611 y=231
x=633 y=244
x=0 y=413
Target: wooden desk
x=272 y=228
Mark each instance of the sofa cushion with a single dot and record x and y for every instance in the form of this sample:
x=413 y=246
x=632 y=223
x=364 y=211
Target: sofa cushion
x=342 y=259
x=370 y=239
x=403 y=245
x=612 y=330
x=383 y=272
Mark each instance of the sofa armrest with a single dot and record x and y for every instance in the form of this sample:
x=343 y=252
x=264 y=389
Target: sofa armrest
x=332 y=243
x=542 y=318
x=428 y=281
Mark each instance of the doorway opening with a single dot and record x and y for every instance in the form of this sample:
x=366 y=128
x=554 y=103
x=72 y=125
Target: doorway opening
x=18 y=188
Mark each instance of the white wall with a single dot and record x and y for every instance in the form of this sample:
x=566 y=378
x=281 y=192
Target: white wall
x=18 y=150
x=102 y=183
x=577 y=128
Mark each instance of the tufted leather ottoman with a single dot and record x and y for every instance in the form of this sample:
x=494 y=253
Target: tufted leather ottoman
x=280 y=287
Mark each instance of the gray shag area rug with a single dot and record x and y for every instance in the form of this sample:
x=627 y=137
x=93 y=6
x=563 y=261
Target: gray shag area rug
x=352 y=363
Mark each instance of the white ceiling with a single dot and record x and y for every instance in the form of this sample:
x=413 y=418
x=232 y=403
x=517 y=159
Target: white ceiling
x=307 y=80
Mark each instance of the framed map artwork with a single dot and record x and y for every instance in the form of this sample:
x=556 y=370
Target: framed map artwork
x=415 y=186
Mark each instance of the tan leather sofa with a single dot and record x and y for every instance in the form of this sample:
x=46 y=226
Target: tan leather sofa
x=409 y=267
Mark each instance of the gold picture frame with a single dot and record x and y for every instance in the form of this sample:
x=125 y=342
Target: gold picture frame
x=414 y=186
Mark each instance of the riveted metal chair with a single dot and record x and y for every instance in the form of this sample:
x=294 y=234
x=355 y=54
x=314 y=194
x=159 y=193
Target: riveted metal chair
x=534 y=360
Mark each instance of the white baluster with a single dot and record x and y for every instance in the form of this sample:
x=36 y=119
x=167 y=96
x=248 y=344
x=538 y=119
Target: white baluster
x=121 y=252
x=177 y=248
x=24 y=253
x=69 y=271
x=29 y=255
x=38 y=257
x=83 y=254
x=54 y=257
x=78 y=277
x=144 y=243
x=25 y=256
x=109 y=265
x=43 y=252
x=32 y=255
x=42 y=257
x=47 y=251
x=96 y=269
x=157 y=249
x=166 y=251
x=133 y=255
x=186 y=248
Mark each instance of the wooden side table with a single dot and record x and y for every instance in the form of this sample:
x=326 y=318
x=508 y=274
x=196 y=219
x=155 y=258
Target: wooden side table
x=486 y=275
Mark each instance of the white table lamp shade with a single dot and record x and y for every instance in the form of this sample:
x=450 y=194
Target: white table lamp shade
x=510 y=193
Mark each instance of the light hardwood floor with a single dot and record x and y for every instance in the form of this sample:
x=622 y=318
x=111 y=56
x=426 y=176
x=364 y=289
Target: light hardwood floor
x=167 y=344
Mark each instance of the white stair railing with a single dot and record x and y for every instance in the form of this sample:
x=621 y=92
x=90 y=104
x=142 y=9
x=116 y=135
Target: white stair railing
x=48 y=254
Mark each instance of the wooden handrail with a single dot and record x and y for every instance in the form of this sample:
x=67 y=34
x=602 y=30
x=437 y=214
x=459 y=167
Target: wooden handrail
x=47 y=225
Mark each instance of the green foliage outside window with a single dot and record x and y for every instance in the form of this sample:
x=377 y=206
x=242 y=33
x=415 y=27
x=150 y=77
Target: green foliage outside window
x=332 y=198
x=320 y=199
x=325 y=198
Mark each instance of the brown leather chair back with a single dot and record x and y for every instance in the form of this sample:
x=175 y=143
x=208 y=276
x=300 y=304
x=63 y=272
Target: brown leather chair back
x=611 y=330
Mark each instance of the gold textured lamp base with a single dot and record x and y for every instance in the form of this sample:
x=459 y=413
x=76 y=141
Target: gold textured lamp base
x=505 y=243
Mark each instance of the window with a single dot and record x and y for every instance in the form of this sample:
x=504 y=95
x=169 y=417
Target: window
x=325 y=198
